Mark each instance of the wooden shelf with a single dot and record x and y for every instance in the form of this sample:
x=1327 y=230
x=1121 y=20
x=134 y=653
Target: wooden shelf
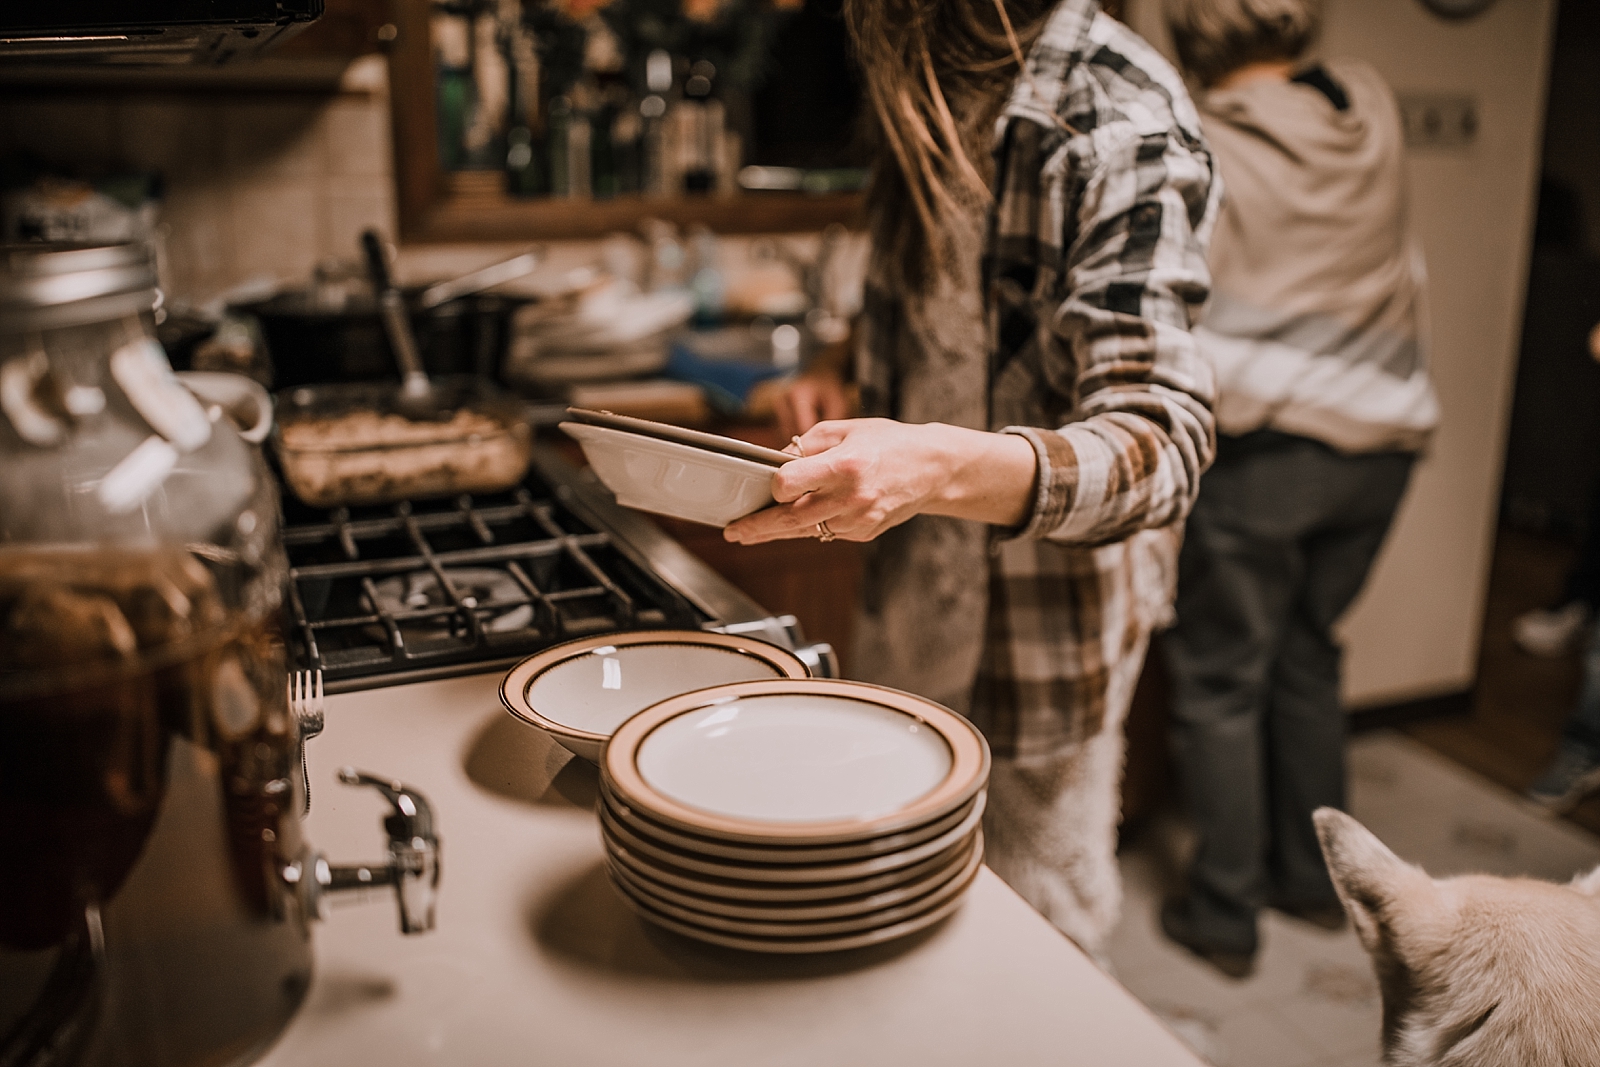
x=316 y=75
x=494 y=216
x=436 y=206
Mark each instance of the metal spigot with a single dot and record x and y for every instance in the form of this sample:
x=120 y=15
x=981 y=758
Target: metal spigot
x=413 y=868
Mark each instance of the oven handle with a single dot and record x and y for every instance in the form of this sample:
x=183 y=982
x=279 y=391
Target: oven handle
x=785 y=632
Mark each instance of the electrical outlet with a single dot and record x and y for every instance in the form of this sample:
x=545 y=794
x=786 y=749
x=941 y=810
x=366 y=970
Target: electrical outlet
x=1439 y=121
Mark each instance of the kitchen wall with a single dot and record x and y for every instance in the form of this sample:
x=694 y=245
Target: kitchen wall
x=256 y=183
x=1415 y=631
x=260 y=184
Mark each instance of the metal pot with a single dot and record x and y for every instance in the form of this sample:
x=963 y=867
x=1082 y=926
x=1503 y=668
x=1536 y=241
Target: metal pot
x=310 y=343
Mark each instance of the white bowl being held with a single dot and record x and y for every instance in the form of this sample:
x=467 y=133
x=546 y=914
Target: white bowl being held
x=669 y=478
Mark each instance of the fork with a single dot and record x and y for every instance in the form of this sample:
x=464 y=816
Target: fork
x=306 y=705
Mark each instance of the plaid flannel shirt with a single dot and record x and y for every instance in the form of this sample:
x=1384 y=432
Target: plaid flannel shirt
x=1094 y=267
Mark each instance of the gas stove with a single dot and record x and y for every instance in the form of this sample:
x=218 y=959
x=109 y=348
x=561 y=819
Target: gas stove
x=428 y=589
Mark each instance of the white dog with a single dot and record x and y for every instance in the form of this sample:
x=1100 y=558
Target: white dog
x=1476 y=971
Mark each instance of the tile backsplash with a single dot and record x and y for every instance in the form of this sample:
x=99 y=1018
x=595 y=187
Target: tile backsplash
x=264 y=185
x=256 y=184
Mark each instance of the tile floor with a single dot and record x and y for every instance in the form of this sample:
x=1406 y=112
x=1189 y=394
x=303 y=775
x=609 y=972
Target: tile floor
x=1313 y=1001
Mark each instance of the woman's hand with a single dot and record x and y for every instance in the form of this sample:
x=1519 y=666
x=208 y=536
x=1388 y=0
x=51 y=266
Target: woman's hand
x=863 y=476
x=818 y=394
x=815 y=396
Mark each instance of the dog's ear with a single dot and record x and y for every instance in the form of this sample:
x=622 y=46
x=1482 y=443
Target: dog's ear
x=1369 y=878
x=1588 y=883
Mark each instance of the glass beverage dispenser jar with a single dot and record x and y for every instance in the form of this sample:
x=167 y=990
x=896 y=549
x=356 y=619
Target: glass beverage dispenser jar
x=155 y=892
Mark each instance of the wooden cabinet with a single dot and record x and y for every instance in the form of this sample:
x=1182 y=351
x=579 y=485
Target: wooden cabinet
x=435 y=204
x=814 y=582
x=346 y=28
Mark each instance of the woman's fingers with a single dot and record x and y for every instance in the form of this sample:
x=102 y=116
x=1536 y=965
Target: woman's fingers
x=809 y=399
x=834 y=482
x=796 y=408
x=863 y=476
x=835 y=402
x=825 y=435
x=779 y=522
x=798 y=477
x=822 y=465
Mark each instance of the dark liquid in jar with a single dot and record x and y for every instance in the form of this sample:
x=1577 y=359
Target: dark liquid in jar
x=149 y=800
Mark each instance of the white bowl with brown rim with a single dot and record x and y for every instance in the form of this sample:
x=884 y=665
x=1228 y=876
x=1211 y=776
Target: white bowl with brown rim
x=580 y=691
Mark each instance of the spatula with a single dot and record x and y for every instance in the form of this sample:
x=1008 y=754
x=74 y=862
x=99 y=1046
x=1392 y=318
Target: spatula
x=415 y=399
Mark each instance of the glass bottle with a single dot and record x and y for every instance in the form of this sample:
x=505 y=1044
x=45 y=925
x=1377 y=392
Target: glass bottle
x=150 y=787
x=703 y=123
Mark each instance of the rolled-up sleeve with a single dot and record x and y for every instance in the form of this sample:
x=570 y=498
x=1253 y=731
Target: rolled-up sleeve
x=1114 y=337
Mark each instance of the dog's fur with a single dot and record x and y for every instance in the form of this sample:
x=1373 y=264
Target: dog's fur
x=1476 y=971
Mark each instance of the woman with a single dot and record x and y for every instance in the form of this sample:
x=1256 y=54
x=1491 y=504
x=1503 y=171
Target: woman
x=1323 y=402
x=1039 y=231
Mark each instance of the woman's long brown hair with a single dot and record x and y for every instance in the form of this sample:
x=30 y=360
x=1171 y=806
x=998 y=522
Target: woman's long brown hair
x=936 y=74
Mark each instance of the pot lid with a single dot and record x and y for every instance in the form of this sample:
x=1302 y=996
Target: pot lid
x=43 y=286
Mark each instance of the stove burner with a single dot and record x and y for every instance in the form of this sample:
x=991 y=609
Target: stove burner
x=428 y=588
x=498 y=598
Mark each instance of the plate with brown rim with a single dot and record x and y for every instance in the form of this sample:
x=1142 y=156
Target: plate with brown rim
x=795 y=762
x=778 y=892
x=579 y=691
x=863 y=914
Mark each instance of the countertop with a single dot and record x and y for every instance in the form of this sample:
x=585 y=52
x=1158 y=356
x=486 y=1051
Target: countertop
x=536 y=959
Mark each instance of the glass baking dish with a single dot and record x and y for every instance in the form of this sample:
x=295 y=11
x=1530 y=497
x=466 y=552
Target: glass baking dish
x=349 y=444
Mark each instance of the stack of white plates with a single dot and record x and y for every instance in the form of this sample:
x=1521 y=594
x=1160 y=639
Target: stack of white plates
x=793 y=815
x=580 y=691
x=613 y=331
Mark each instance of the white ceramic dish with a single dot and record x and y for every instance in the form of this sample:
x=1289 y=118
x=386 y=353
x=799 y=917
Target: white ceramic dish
x=665 y=431
x=612 y=830
x=779 y=854
x=609 y=317
x=778 y=892
x=580 y=691
x=877 y=909
x=786 y=911
x=860 y=922
x=550 y=366
x=795 y=945
x=669 y=478
x=780 y=759
x=796 y=762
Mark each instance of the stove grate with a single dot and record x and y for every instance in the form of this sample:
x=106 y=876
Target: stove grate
x=425 y=585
